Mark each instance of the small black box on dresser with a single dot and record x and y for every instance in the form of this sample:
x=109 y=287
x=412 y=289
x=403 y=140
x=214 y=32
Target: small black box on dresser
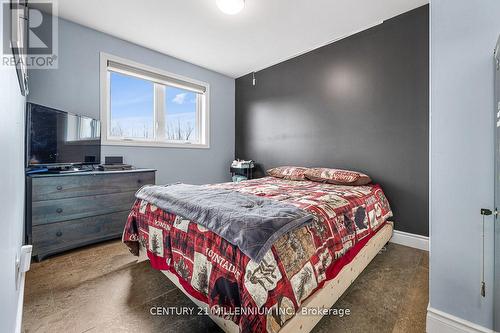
x=66 y=211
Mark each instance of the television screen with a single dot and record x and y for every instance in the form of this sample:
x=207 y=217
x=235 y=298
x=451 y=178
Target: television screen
x=60 y=138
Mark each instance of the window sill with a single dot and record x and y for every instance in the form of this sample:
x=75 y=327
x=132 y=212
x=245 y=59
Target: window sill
x=153 y=144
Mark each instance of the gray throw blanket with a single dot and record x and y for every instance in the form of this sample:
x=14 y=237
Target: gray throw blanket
x=250 y=222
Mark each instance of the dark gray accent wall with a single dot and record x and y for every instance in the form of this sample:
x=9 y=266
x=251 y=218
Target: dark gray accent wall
x=361 y=103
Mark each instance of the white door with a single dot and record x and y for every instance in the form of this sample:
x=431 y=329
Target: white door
x=12 y=106
x=496 y=290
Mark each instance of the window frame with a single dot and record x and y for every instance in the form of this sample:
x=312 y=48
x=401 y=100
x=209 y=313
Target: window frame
x=203 y=118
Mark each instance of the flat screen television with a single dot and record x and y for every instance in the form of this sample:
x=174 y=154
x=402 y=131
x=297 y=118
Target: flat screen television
x=56 y=138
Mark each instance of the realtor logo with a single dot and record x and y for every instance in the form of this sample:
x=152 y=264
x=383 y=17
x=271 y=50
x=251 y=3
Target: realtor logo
x=29 y=34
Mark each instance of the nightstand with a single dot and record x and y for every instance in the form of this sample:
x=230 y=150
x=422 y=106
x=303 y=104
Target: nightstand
x=243 y=171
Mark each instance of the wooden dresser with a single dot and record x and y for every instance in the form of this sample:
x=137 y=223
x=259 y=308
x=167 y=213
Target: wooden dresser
x=65 y=211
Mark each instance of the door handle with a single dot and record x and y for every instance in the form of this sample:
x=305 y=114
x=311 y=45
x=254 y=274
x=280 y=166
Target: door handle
x=485 y=211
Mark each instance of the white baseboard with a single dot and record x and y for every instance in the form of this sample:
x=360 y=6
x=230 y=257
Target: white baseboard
x=442 y=322
x=411 y=240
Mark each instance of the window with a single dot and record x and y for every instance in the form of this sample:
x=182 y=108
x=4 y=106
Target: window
x=148 y=107
x=181 y=114
x=131 y=107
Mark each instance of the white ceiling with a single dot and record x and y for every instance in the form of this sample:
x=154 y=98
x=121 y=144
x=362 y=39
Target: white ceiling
x=264 y=33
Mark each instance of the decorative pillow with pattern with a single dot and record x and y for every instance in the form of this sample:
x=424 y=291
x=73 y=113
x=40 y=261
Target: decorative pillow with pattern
x=288 y=172
x=337 y=176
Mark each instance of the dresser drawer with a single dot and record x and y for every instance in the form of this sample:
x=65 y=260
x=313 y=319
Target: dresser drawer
x=52 y=211
x=72 y=186
x=70 y=234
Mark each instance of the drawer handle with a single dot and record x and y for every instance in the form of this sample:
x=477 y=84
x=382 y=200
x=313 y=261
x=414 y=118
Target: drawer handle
x=59 y=210
x=59 y=234
x=139 y=181
x=59 y=187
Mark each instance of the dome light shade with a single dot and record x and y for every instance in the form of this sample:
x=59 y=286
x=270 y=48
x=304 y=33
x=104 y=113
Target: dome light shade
x=231 y=7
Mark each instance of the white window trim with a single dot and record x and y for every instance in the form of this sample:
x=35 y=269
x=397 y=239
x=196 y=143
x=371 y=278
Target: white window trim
x=105 y=108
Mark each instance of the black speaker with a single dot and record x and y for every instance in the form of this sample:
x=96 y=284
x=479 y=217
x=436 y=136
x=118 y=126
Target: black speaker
x=113 y=160
x=90 y=159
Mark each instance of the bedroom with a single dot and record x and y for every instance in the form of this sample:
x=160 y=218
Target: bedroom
x=331 y=166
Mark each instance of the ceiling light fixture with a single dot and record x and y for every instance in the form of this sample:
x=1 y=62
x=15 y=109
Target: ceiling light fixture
x=231 y=7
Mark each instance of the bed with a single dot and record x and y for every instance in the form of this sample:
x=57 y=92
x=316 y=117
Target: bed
x=307 y=268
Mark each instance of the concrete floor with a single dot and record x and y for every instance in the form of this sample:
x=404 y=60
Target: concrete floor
x=102 y=289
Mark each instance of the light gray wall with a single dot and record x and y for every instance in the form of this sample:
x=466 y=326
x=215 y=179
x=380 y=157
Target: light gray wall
x=74 y=87
x=463 y=36
x=11 y=194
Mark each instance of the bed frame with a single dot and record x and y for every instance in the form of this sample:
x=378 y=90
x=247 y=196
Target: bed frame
x=323 y=298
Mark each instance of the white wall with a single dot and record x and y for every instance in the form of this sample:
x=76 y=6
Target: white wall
x=463 y=36
x=11 y=193
x=74 y=87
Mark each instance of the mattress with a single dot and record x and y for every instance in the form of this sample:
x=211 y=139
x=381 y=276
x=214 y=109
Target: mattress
x=255 y=295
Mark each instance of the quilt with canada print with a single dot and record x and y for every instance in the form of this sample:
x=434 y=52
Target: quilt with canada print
x=261 y=296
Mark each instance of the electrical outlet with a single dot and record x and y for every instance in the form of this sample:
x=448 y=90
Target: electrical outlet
x=23 y=263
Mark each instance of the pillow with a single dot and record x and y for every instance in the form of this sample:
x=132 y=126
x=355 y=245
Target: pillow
x=288 y=172
x=337 y=176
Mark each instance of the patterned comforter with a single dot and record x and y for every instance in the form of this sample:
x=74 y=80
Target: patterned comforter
x=262 y=296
